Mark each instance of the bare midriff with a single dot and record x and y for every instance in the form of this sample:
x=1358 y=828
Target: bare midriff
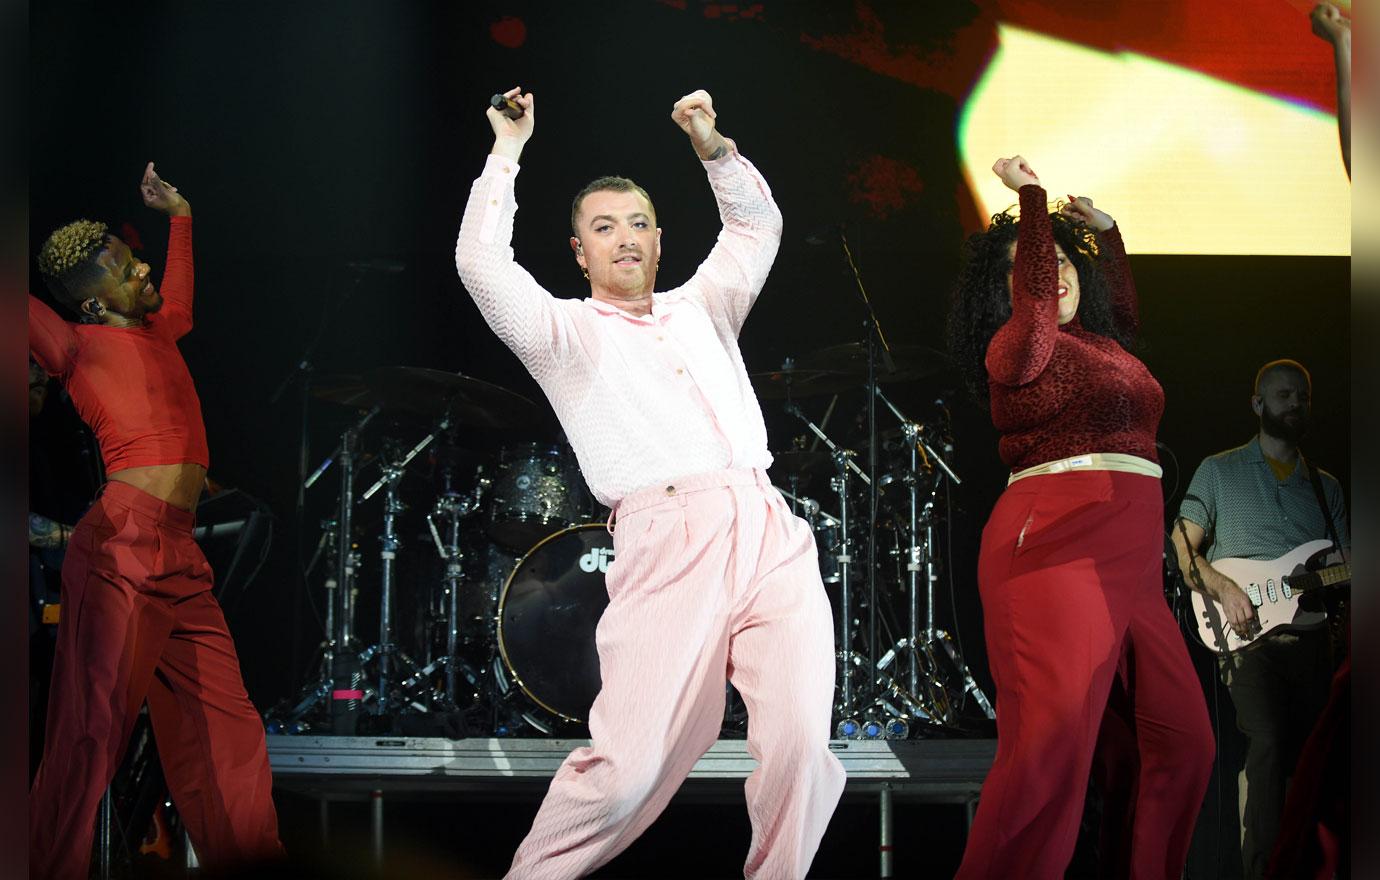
x=177 y=484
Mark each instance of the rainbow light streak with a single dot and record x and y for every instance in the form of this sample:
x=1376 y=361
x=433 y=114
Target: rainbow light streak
x=1185 y=162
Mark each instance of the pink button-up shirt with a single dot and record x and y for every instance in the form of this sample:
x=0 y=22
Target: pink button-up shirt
x=646 y=399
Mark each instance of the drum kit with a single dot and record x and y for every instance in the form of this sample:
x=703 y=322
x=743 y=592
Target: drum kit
x=501 y=570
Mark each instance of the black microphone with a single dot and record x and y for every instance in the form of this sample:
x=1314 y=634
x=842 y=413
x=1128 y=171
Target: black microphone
x=824 y=234
x=387 y=267
x=507 y=106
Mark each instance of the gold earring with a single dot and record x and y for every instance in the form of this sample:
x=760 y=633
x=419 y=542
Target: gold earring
x=585 y=272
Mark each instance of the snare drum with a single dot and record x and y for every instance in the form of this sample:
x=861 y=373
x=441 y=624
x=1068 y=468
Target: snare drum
x=537 y=490
x=828 y=533
x=547 y=615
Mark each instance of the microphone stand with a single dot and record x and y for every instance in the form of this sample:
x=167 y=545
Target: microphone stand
x=301 y=373
x=843 y=460
x=876 y=344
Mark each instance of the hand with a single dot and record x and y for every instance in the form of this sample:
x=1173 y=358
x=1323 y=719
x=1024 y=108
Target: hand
x=1080 y=210
x=1236 y=606
x=511 y=135
x=47 y=534
x=161 y=195
x=1329 y=24
x=1015 y=172
x=695 y=115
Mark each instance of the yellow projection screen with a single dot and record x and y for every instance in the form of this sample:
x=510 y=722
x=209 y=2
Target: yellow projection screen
x=1185 y=162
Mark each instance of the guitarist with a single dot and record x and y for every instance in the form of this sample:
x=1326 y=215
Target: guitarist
x=1260 y=501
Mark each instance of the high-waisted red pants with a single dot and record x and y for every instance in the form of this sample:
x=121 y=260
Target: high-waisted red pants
x=713 y=578
x=1070 y=577
x=139 y=623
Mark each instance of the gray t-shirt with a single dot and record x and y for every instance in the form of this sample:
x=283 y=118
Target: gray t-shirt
x=1249 y=514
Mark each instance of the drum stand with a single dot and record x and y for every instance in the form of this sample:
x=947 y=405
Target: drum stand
x=453 y=507
x=385 y=650
x=843 y=462
x=924 y=650
x=335 y=684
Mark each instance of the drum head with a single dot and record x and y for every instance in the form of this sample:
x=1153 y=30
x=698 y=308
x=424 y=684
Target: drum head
x=547 y=615
x=537 y=490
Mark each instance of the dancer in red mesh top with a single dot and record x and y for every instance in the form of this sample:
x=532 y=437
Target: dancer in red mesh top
x=1070 y=564
x=139 y=622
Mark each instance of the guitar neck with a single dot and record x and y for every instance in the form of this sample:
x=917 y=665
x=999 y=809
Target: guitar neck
x=1323 y=577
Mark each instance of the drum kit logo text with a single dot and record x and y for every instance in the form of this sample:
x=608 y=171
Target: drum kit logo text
x=597 y=559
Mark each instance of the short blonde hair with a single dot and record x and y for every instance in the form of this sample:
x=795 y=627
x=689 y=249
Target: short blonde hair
x=67 y=259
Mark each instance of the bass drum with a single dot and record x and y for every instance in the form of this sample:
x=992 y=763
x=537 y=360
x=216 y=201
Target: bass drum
x=547 y=614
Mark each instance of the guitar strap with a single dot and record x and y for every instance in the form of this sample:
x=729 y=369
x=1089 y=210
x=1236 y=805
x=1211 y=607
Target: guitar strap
x=1337 y=611
x=1316 y=481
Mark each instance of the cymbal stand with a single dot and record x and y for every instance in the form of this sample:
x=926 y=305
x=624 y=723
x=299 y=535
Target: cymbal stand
x=911 y=431
x=876 y=349
x=392 y=475
x=453 y=507
x=843 y=462
x=928 y=699
x=331 y=686
x=301 y=374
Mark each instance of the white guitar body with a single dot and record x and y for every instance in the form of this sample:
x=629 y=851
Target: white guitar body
x=1274 y=587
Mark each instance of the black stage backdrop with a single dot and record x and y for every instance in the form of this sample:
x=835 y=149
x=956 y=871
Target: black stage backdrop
x=308 y=135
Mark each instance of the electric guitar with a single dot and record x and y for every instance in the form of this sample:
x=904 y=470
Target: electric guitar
x=1274 y=587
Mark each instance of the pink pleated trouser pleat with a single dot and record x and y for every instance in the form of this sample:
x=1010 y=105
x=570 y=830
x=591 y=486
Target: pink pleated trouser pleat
x=712 y=578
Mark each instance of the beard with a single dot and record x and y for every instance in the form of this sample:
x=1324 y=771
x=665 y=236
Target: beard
x=149 y=304
x=1290 y=428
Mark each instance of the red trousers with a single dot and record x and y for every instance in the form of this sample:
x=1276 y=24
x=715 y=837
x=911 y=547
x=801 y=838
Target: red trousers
x=1070 y=577
x=139 y=624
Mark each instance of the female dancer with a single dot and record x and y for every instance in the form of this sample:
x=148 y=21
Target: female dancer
x=1069 y=569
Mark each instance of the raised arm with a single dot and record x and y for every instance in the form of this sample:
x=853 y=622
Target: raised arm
x=728 y=281
x=1021 y=347
x=51 y=339
x=520 y=312
x=176 y=314
x=1330 y=25
x=1111 y=260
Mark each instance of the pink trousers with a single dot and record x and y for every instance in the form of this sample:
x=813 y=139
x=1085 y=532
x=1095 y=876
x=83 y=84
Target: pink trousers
x=712 y=578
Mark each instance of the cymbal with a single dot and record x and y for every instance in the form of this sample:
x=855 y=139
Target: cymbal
x=912 y=361
x=795 y=382
x=432 y=393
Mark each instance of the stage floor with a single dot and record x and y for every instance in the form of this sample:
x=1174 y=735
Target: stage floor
x=934 y=770
x=486 y=774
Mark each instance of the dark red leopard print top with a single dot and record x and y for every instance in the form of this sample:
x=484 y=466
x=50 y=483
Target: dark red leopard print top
x=1062 y=391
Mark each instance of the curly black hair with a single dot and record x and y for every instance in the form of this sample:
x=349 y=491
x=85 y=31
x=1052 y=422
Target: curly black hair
x=982 y=302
